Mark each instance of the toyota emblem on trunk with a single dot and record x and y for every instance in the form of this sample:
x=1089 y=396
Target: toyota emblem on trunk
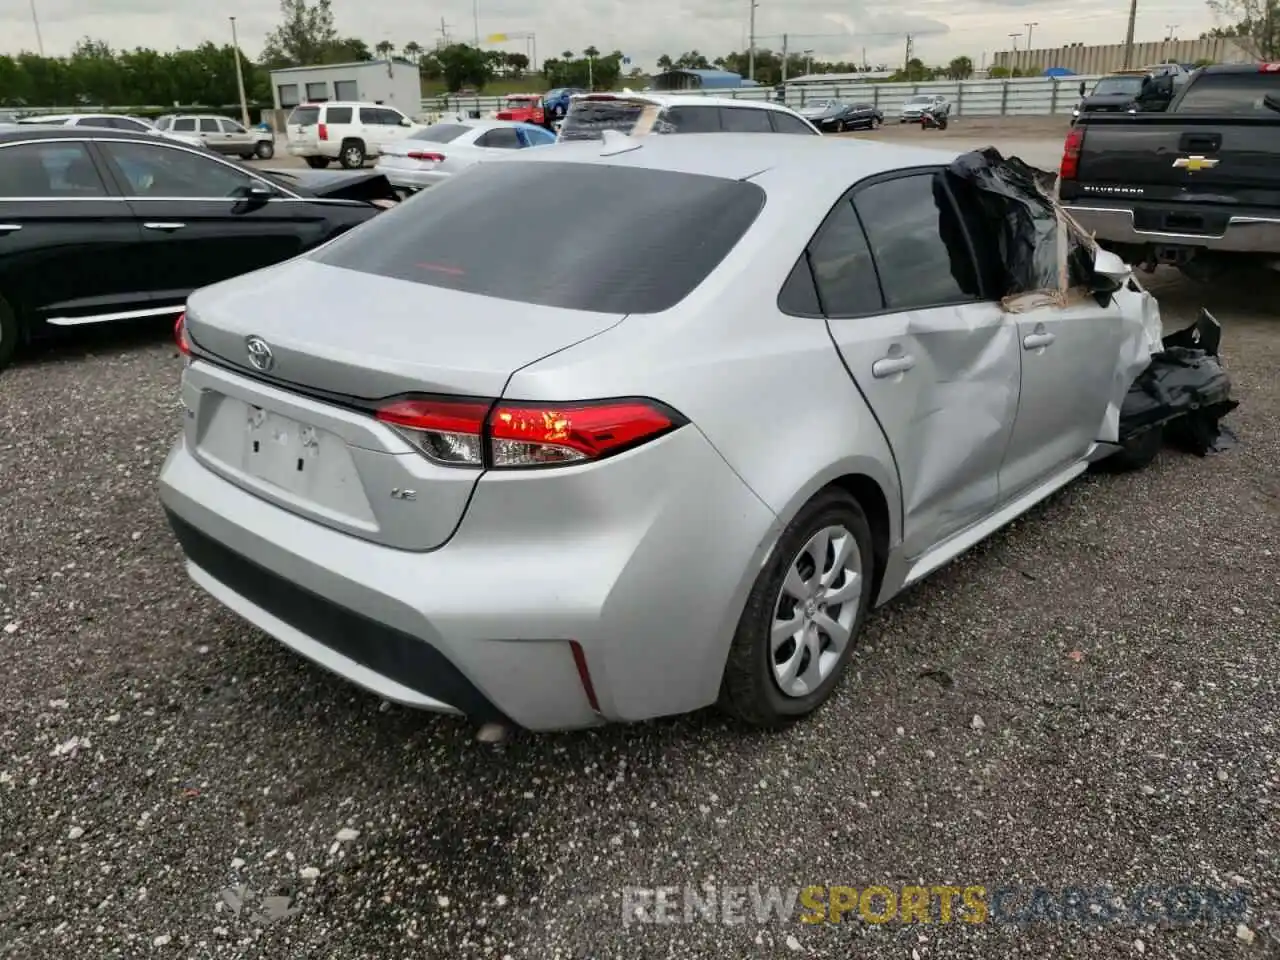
x=260 y=354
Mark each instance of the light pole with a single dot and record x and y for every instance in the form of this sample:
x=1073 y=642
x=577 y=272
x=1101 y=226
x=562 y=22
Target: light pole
x=1128 y=37
x=475 y=20
x=35 y=19
x=244 y=103
x=751 y=42
x=808 y=62
x=1014 y=37
x=1029 y=27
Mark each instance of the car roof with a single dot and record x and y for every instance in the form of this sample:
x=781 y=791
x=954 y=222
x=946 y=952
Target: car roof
x=684 y=99
x=350 y=103
x=52 y=132
x=743 y=156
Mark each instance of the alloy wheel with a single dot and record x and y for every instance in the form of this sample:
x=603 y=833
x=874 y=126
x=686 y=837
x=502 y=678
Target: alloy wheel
x=815 y=611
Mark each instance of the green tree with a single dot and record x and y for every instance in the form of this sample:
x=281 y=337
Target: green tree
x=384 y=48
x=463 y=65
x=665 y=62
x=960 y=68
x=999 y=73
x=413 y=51
x=1253 y=24
x=306 y=35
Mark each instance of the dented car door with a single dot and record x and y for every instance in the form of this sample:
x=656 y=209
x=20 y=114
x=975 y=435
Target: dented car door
x=936 y=362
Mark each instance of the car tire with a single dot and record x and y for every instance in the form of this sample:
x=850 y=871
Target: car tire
x=317 y=163
x=840 y=126
x=1136 y=453
x=875 y=123
x=264 y=150
x=754 y=686
x=9 y=332
x=352 y=155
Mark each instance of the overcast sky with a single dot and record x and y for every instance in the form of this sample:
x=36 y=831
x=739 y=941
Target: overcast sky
x=642 y=29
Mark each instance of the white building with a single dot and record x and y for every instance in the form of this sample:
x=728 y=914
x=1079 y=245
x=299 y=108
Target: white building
x=394 y=82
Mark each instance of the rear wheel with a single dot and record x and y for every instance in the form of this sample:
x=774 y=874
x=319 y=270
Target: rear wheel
x=352 y=155
x=264 y=150
x=8 y=333
x=840 y=127
x=803 y=615
x=317 y=163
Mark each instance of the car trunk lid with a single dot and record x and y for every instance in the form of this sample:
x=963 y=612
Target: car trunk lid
x=302 y=432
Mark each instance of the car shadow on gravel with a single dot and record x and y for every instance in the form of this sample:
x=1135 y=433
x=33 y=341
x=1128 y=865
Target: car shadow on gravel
x=75 y=344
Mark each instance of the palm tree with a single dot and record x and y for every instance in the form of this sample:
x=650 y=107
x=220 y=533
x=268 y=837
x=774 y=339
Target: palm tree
x=384 y=48
x=591 y=53
x=664 y=62
x=413 y=50
x=567 y=55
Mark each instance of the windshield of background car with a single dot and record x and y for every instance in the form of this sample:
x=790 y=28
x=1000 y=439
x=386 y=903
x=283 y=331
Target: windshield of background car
x=521 y=103
x=1230 y=93
x=917 y=100
x=589 y=119
x=440 y=133
x=655 y=235
x=1113 y=85
x=305 y=116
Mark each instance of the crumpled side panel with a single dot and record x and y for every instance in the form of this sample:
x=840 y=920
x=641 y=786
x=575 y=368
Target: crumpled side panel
x=1142 y=339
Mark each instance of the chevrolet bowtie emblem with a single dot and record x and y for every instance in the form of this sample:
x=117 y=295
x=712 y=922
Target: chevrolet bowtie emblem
x=1192 y=164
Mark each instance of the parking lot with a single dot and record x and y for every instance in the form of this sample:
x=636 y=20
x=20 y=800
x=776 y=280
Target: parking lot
x=1087 y=699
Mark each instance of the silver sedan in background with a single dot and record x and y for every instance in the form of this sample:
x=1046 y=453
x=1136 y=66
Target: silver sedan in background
x=435 y=153
x=665 y=459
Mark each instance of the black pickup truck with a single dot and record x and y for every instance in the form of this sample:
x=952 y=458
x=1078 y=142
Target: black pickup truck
x=1196 y=186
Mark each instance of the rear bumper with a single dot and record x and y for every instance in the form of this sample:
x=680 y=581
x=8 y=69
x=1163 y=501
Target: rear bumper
x=411 y=179
x=312 y=150
x=644 y=560
x=1242 y=234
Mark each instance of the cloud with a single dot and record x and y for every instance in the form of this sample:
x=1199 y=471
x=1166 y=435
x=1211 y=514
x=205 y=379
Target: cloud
x=642 y=31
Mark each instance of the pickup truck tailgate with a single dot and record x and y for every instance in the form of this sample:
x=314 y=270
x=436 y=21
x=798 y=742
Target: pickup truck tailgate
x=1180 y=157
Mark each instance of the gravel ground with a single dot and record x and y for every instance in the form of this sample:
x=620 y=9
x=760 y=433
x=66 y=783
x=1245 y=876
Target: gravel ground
x=174 y=783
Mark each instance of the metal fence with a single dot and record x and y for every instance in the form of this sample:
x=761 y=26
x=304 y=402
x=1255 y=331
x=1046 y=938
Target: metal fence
x=1026 y=96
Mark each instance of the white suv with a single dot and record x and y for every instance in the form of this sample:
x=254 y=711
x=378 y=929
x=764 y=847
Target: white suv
x=347 y=132
x=637 y=114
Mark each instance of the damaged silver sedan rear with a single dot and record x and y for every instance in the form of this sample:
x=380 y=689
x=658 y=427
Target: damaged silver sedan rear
x=671 y=463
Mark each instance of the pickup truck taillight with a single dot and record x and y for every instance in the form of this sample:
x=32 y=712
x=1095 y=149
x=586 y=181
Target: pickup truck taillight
x=323 y=133
x=1071 y=154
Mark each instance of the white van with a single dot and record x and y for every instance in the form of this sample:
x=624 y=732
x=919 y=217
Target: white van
x=347 y=132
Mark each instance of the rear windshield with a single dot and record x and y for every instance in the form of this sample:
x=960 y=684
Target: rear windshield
x=589 y=119
x=305 y=116
x=440 y=133
x=654 y=235
x=1112 y=85
x=1230 y=93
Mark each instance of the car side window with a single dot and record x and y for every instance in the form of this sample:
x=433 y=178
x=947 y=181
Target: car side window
x=339 y=115
x=160 y=171
x=537 y=137
x=499 y=138
x=392 y=118
x=745 y=120
x=230 y=126
x=107 y=122
x=843 y=270
x=184 y=124
x=126 y=123
x=369 y=115
x=920 y=251
x=208 y=125
x=49 y=171
x=786 y=123
x=693 y=119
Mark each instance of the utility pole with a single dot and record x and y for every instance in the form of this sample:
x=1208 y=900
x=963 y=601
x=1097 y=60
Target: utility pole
x=1030 y=26
x=751 y=42
x=906 y=60
x=444 y=33
x=863 y=65
x=475 y=18
x=808 y=63
x=1014 y=37
x=1128 y=37
x=784 y=58
x=244 y=103
x=35 y=19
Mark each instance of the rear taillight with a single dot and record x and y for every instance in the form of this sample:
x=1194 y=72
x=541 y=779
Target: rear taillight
x=502 y=435
x=323 y=132
x=432 y=157
x=1071 y=154
x=180 y=335
x=1269 y=68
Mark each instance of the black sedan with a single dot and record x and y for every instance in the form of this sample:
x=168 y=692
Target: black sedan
x=100 y=225
x=837 y=116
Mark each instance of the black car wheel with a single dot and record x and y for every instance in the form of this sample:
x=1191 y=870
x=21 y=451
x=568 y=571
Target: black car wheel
x=352 y=155
x=317 y=163
x=8 y=333
x=264 y=150
x=840 y=127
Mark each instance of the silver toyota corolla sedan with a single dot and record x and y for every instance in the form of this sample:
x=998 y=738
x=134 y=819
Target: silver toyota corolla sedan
x=618 y=430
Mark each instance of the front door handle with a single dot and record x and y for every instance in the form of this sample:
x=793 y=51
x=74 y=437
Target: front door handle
x=1034 y=341
x=167 y=227
x=10 y=227
x=888 y=366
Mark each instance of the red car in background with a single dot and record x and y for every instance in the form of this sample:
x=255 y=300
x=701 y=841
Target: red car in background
x=523 y=108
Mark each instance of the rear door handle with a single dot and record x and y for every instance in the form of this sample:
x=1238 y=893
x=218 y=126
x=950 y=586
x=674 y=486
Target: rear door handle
x=9 y=227
x=888 y=366
x=168 y=227
x=1034 y=341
